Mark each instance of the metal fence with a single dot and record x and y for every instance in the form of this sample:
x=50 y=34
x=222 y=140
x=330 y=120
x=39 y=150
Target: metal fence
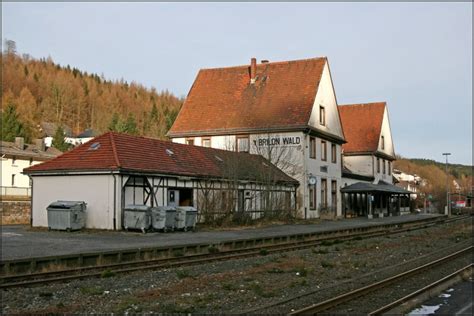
x=16 y=191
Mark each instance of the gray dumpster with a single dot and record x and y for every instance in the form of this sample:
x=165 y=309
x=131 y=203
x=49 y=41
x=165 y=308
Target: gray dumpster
x=66 y=215
x=186 y=217
x=163 y=218
x=137 y=217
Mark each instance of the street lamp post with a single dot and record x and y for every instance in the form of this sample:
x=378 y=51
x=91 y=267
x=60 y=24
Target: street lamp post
x=447 y=185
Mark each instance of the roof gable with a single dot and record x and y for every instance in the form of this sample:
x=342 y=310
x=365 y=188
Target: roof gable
x=223 y=99
x=362 y=125
x=115 y=151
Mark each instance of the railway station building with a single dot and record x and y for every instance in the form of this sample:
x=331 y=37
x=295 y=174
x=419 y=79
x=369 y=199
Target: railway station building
x=114 y=170
x=288 y=112
x=284 y=111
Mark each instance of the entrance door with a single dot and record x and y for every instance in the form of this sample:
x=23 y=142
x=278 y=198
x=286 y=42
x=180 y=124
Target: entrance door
x=240 y=201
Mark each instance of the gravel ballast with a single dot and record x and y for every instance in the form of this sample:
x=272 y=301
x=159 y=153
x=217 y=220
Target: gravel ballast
x=245 y=285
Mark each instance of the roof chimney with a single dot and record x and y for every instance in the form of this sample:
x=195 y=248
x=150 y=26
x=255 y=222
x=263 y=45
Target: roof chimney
x=253 y=69
x=20 y=142
x=40 y=145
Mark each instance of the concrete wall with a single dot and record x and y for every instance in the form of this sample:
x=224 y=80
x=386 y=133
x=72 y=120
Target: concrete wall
x=15 y=212
x=96 y=190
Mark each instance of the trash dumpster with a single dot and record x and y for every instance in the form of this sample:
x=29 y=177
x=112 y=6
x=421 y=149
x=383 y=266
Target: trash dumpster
x=186 y=217
x=66 y=215
x=137 y=217
x=163 y=218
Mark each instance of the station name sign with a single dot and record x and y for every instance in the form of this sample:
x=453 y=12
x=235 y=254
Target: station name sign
x=278 y=141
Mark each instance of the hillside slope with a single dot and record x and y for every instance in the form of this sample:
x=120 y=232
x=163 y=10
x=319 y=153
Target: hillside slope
x=42 y=91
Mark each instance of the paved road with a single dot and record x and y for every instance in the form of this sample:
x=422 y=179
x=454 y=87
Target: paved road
x=20 y=242
x=457 y=300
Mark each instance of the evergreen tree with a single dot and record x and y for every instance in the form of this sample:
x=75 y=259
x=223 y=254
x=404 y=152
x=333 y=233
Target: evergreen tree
x=12 y=126
x=170 y=117
x=114 y=123
x=130 y=125
x=59 y=141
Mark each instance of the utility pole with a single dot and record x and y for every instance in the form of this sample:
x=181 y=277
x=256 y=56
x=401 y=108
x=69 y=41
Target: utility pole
x=447 y=186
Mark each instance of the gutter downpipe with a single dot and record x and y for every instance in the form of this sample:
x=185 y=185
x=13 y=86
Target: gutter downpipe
x=31 y=206
x=115 y=201
x=305 y=172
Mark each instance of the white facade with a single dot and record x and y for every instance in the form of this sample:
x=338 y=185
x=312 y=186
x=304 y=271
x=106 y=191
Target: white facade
x=96 y=190
x=106 y=195
x=370 y=166
x=290 y=151
x=12 y=171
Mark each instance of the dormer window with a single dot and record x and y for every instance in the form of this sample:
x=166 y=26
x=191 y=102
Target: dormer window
x=322 y=115
x=383 y=142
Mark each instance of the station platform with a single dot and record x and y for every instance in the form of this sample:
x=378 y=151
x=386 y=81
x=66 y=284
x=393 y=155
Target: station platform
x=22 y=242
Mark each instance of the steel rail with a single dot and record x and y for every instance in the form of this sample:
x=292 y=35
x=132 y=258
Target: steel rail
x=428 y=288
x=96 y=271
x=15 y=280
x=327 y=304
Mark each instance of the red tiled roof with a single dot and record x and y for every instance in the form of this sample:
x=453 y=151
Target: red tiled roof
x=362 y=124
x=124 y=152
x=223 y=99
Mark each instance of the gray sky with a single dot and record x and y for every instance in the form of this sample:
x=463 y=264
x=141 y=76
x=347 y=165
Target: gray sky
x=417 y=57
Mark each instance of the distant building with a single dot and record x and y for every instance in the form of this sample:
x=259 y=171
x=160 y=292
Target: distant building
x=410 y=182
x=17 y=156
x=48 y=131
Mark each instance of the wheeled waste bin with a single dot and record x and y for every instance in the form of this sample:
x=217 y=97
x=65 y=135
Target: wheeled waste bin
x=66 y=215
x=137 y=217
x=163 y=218
x=186 y=217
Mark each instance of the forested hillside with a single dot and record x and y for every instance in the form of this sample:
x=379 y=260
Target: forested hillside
x=41 y=91
x=435 y=175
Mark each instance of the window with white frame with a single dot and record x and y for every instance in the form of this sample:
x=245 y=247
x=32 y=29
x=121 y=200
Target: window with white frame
x=243 y=144
x=322 y=115
x=324 y=155
x=312 y=196
x=312 y=147
x=206 y=142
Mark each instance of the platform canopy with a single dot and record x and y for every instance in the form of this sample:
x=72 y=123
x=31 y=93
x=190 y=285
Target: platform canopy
x=380 y=187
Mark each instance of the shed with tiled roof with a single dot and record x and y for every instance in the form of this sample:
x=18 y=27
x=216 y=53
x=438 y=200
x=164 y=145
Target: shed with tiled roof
x=114 y=170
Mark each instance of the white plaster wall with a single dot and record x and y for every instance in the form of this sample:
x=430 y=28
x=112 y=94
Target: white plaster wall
x=381 y=175
x=386 y=132
x=226 y=142
x=326 y=97
x=362 y=164
x=334 y=172
x=9 y=168
x=96 y=190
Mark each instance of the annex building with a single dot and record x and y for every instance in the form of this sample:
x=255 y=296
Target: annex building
x=288 y=112
x=114 y=170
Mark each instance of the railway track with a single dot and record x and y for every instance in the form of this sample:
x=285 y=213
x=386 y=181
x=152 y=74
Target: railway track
x=399 y=306
x=24 y=280
x=327 y=305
